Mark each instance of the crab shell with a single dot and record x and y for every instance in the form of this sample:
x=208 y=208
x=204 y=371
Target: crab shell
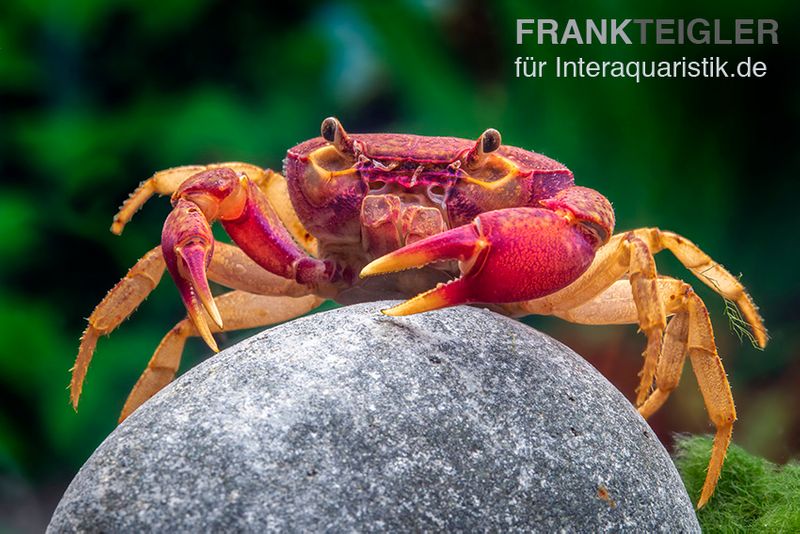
x=380 y=192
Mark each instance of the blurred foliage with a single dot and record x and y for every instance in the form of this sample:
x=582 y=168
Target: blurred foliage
x=753 y=494
x=97 y=95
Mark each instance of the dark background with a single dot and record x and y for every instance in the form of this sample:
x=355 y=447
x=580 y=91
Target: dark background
x=96 y=96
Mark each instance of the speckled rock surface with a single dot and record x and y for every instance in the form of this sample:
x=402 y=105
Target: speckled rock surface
x=456 y=420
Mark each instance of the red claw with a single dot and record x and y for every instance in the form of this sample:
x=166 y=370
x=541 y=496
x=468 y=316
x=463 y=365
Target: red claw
x=508 y=255
x=188 y=245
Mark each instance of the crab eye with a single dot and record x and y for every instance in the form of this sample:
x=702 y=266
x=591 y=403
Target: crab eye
x=488 y=142
x=328 y=129
x=334 y=133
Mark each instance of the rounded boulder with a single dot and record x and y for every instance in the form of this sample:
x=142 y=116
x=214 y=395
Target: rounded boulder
x=348 y=420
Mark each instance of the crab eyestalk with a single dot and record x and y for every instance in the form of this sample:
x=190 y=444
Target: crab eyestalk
x=488 y=142
x=334 y=133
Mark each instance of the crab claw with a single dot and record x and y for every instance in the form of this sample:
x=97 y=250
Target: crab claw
x=188 y=244
x=508 y=255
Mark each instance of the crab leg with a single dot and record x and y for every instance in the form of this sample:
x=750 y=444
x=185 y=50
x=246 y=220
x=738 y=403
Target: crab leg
x=117 y=305
x=239 y=310
x=633 y=252
x=229 y=266
x=652 y=317
x=688 y=332
x=710 y=273
x=715 y=389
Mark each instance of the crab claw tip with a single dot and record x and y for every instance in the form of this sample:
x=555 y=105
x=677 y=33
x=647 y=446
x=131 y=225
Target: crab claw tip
x=450 y=294
x=460 y=243
x=210 y=306
x=390 y=263
x=202 y=328
x=195 y=258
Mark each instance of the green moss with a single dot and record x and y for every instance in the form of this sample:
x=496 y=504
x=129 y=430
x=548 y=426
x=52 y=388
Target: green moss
x=753 y=494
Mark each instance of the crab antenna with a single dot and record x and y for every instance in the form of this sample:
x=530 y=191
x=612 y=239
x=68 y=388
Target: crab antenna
x=333 y=132
x=488 y=142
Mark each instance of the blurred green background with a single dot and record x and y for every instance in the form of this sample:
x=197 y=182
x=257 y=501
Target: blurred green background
x=96 y=96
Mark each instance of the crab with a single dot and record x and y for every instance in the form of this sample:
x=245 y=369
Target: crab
x=440 y=221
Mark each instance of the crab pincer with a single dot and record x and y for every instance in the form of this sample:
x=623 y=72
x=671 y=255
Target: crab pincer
x=187 y=242
x=188 y=245
x=508 y=255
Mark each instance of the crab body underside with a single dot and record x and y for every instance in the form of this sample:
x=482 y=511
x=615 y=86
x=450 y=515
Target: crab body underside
x=438 y=220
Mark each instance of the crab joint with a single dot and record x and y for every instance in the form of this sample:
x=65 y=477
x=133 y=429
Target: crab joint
x=219 y=193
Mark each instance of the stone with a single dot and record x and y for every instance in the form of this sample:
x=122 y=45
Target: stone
x=457 y=420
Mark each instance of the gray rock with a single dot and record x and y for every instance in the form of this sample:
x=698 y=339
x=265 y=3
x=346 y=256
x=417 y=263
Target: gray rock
x=455 y=420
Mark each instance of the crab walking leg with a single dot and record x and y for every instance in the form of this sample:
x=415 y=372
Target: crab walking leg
x=670 y=366
x=167 y=182
x=715 y=388
x=612 y=262
x=118 y=304
x=229 y=266
x=652 y=316
x=710 y=273
x=689 y=331
x=239 y=310
x=617 y=305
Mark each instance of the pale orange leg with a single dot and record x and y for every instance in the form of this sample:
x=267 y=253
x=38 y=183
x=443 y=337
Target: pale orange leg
x=670 y=365
x=688 y=331
x=652 y=317
x=624 y=253
x=716 y=390
x=691 y=329
x=118 y=304
x=229 y=266
x=239 y=310
x=710 y=273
